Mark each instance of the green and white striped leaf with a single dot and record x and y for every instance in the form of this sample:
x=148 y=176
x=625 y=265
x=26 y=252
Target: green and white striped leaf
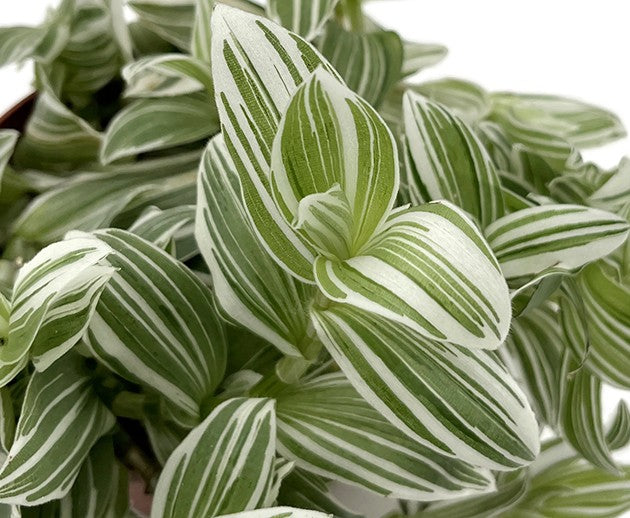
x=170 y=229
x=511 y=487
x=447 y=161
x=618 y=433
x=7 y=421
x=278 y=512
x=370 y=63
x=172 y=21
x=531 y=240
x=60 y=421
x=334 y=167
x=303 y=17
x=19 y=43
x=166 y=75
x=581 y=417
x=606 y=298
x=616 y=190
x=55 y=139
x=53 y=300
x=466 y=100
x=573 y=488
x=223 y=465
x=201 y=39
x=153 y=124
x=8 y=139
x=326 y=427
x=535 y=359
x=418 y=56
x=101 y=488
x=250 y=287
x=257 y=66
x=459 y=402
x=303 y=489
x=581 y=124
x=156 y=325
x=431 y=270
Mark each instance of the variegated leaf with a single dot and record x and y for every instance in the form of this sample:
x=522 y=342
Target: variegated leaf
x=101 y=488
x=166 y=75
x=61 y=420
x=581 y=418
x=618 y=433
x=201 y=42
x=223 y=465
x=155 y=324
x=370 y=62
x=53 y=300
x=55 y=139
x=467 y=100
x=531 y=240
x=334 y=167
x=278 y=512
x=256 y=67
x=303 y=489
x=303 y=17
x=7 y=421
x=326 y=427
x=19 y=43
x=251 y=288
x=458 y=402
x=172 y=21
x=447 y=161
x=8 y=139
x=615 y=191
x=418 y=56
x=431 y=270
x=153 y=124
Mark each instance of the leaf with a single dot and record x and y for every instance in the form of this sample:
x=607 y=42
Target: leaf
x=303 y=17
x=201 y=43
x=167 y=75
x=223 y=465
x=370 y=63
x=55 y=139
x=156 y=325
x=153 y=124
x=256 y=67
x=618 y=434
x=325 y=426
x=329 y=139
x=466 y=100
x=563 y=236
x=418 y=56
x=18 y=43
x=447 y=161
x=251 y=288
x=7 y=421
x=8 y=139
x=53 y=300
x=615 y=191
x=581 y=124
x=510 y=489
x=581 y=421
x=278 y=512
x=61 y=420
x=101 y=488
x=459 y=402
x=534 y=345
x=164 y=437
x=303 y=489
x=431 y=270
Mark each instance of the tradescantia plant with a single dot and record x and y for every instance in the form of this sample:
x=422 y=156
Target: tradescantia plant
x=248 y=256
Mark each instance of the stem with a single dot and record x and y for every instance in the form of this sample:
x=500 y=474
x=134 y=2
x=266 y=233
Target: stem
x=132 y=405
x=354 y=14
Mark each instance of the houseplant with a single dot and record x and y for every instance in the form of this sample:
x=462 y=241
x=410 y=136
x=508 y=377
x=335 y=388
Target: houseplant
x=244 y=255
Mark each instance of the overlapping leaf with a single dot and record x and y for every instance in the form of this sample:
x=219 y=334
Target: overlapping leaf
x=8 y=139
x=324 y=426
x=303 y=17
x=370 y=63
x=431 y=270
x=155 y=324
x=170 y=229
x=456 y=401
x=152 y=124
x=418 y=56
x=223 y=465
x=61 y=420
x=278 y=512
x=251 y=289
x=467 y=100
x=531 y=240
x=256 y=67
x=53 y=300
x=447 y=161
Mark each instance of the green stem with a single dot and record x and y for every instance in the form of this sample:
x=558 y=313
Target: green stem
x=132 y=405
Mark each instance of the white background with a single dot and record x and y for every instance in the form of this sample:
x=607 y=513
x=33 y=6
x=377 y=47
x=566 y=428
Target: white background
x=577 y=48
